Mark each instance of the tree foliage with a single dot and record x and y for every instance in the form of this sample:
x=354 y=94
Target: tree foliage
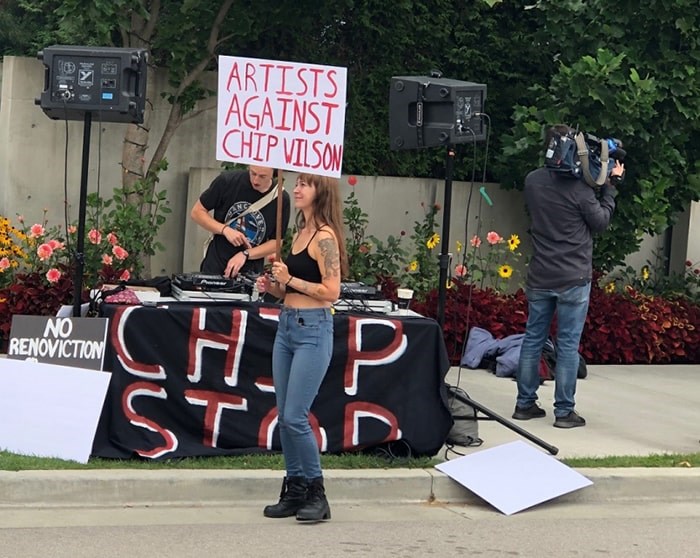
x=625 y=69
x=623 y=74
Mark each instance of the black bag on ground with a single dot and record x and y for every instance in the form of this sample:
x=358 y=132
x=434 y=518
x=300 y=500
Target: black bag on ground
x=465 y=431
x=549 y=354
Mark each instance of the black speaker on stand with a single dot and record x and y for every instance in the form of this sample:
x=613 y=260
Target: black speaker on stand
x=80 y=81
x=430 y=111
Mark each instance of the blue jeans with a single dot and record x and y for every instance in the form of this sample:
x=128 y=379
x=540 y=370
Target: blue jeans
x=571 y=307
x=300 y=357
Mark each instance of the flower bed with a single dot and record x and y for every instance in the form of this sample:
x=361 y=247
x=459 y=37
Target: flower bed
x=621 y=328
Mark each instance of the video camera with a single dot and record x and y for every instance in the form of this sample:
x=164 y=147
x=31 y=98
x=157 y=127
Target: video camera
x=583 y=155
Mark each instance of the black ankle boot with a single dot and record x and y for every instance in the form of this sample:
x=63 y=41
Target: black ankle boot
x=292 y=498
x=316 y=508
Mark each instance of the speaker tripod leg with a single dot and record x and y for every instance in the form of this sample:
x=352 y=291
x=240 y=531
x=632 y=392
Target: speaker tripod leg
x=514 y=427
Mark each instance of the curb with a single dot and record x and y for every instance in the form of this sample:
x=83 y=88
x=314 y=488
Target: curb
x=127 y=488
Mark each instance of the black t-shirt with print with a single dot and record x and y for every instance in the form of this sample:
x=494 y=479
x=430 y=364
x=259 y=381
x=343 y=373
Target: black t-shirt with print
x=229 y=195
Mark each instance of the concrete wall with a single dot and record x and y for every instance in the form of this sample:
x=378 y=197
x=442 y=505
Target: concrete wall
x=394 y=205
x=32 y=160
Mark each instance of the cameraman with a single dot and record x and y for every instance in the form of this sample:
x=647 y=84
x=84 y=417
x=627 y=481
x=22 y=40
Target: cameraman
x=564 y=213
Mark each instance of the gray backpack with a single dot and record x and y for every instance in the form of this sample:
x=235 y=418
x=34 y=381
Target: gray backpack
x=465 y=431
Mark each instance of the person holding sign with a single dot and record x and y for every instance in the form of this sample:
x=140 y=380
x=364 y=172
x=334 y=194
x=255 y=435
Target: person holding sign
x=309 y=281
x=243 y=224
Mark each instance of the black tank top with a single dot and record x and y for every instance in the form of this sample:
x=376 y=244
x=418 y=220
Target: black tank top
x=303 y=266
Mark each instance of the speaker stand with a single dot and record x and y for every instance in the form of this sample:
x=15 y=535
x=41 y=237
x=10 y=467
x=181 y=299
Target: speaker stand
x=442 y=296
x=79 y=254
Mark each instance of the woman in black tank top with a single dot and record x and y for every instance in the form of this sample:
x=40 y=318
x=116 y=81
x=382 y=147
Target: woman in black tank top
x=309 y=282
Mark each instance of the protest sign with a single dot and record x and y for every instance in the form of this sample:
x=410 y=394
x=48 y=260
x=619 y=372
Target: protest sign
x=78 y=342
x=285 y=115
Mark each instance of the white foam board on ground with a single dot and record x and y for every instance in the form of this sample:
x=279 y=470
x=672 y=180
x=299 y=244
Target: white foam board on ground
x=514 y=476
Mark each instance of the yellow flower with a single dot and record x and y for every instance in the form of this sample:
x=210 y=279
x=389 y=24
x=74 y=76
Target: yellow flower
x=459 y=246
x=513 y=242
x=645 y=273
x=610 y=288
x=433 y=241
x=413 y=265
x=505 y=271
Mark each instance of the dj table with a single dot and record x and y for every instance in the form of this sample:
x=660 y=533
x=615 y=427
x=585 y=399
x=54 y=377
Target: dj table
x=194 y=379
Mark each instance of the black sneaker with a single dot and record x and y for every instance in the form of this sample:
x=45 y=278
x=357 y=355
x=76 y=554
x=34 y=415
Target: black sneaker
x=572 y=420
x=527 y=413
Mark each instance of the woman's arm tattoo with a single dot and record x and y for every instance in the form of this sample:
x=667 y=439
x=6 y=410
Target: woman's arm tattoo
x=307 y=288
x=331 y=257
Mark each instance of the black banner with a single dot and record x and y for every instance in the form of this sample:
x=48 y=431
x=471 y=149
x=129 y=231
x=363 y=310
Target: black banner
x=194 y=380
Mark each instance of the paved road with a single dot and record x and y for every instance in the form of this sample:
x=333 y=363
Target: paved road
x=406 y=531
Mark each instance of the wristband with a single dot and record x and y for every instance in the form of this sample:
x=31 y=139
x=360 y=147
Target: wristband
x=223 y=229
x=288 y=280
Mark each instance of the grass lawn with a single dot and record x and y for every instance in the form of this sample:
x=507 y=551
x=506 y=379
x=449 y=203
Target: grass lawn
x=13 y=462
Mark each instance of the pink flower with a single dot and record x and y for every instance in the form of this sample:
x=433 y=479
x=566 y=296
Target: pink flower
x=36 y=230
x=120 y=253
x=95 y=236
x=461 y=271
x=53 y=275
x=20 y=218
x=55 y=244
x=493 y=237
x=125 y=276
x=112 y=239
x=72 y=229
x=106 y=259
x=475 y=241
x=44 y=251
x=4 y=264
x=352 y=180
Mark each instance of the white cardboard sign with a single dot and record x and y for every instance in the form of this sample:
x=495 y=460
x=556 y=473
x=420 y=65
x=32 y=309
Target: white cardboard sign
x=515 y=476
x=47 y=410
x=284 y=115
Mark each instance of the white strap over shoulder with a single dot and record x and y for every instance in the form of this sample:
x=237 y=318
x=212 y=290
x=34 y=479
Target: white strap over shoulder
x=257 y=206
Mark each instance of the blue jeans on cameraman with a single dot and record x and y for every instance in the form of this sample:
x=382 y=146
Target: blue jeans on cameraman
x=571 y=306
x=300 y=357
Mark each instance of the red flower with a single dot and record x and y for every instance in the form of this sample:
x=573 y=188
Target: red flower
x=36 y=231
x=53 y=275
x=44 y=251
x=120 y=253
x=352 y=180
x=493 y=237
x=94 y=236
